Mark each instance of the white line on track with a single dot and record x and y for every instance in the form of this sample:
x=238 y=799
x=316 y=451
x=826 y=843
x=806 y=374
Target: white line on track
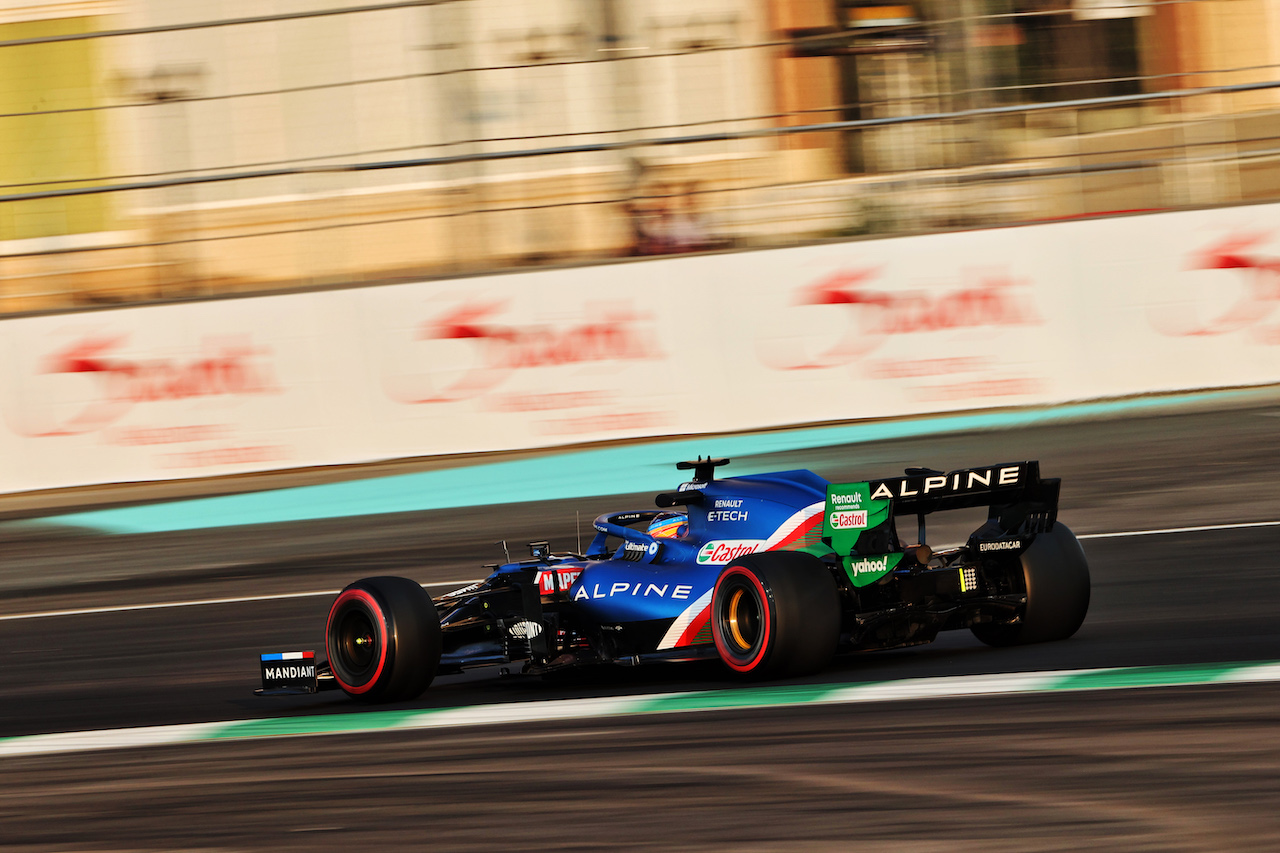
x=87 y=611
x=121 y=608
x=1200 y=529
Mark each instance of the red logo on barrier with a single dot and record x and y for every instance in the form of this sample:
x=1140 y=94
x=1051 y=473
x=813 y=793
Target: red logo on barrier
x=874 y=315
x=119 y=383
x=1257 y=299
x=496 y=350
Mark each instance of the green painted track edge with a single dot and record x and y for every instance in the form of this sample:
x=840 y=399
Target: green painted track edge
x=731 y=699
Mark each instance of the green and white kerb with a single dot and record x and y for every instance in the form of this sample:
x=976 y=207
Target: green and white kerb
x=781 y=696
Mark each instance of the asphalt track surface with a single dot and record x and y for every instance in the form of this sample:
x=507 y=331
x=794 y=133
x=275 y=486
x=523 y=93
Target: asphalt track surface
x=1193 y=768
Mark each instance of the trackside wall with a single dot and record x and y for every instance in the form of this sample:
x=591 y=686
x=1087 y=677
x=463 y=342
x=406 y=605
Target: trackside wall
x=1010 y=317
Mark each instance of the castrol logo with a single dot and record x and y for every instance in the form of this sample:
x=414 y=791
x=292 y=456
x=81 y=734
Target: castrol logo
x=849 y=519
x=721 y=551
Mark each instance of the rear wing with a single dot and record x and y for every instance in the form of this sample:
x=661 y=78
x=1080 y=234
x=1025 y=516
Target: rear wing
x=924 y=491
x=858 y=521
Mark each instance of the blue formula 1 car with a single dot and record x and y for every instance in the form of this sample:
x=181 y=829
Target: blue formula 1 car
x=771 y=573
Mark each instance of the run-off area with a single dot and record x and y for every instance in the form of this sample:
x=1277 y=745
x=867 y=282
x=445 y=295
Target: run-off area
x=1180 y=769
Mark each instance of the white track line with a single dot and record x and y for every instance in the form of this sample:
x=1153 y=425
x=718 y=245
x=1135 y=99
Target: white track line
x=122 y=608
x=200 y=603
x=1201 y=529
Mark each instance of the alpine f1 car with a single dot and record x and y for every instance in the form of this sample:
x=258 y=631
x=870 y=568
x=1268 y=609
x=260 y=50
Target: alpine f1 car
x=771 y=573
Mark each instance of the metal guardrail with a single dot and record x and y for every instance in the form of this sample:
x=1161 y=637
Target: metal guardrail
x=226 y=22
x=722 y=136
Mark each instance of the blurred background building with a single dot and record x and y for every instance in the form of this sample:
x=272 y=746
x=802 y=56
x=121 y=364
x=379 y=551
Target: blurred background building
x=168 y=149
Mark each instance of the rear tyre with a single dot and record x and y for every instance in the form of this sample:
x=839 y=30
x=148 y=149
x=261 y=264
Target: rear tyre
x=383 y=639
x=1056 y=574
x=775 y=614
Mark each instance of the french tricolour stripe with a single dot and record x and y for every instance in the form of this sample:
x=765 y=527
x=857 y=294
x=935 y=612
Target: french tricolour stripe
x=289 y=656
x=688 y=623
x=793 y=528
x=739 y=699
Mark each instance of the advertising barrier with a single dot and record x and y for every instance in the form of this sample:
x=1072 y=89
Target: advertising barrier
x=712 y=343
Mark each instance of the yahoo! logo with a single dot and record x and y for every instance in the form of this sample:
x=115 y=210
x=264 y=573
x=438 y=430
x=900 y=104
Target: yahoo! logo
x=873 y=315
x=115 y=383
x=473 y=351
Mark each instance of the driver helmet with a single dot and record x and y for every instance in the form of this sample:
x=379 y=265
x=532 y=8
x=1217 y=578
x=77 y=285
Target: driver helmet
x=669 y=525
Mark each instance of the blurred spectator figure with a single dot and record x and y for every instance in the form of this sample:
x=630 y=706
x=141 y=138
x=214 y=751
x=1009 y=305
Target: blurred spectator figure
x=650 y=224
x=664 y=223
x=637 y=216
x=640 y=211
x=687 y=227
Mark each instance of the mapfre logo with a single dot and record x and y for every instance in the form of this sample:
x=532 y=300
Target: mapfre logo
x=551 y=581
x=1247 y=304
x=93 y=381
x=469 y=349
x=872 y=315
x=721 y=551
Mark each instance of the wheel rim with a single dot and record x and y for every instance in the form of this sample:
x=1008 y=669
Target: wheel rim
x=742 y=623
x=742 y=617
x=356 y=641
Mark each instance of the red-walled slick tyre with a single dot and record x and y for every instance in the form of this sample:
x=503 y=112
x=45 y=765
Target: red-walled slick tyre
x=775 y=614
x=383 y=639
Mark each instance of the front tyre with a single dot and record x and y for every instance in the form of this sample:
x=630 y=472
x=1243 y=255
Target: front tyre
x=775 y=614
x=1056 y=577
x=383 y=639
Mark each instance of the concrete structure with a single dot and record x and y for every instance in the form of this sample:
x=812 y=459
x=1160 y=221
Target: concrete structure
x=314 y=92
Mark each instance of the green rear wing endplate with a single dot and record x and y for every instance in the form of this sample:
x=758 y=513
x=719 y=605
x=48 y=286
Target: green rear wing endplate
x=858 y=521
